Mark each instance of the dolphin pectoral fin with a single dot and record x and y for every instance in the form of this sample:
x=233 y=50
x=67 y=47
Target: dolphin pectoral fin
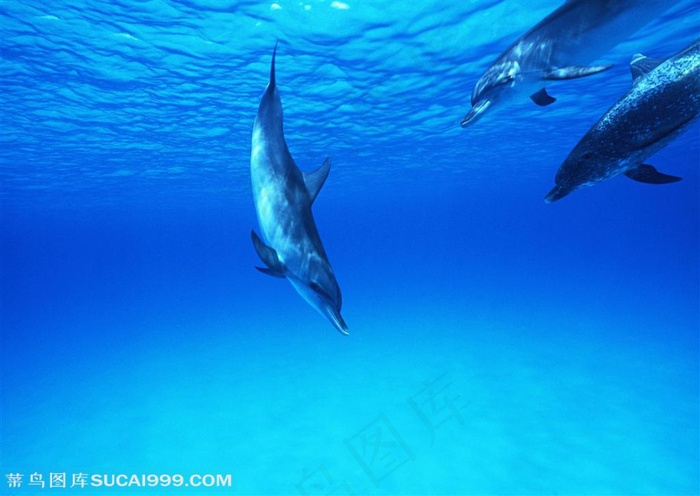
x=314 y=180
x=574 y=71
x=648 y=174
x=270 y=272
x=640 y=65
x=542 y=98
x=267 y=255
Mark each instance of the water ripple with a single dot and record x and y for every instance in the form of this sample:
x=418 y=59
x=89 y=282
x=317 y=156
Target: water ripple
x=106 y=103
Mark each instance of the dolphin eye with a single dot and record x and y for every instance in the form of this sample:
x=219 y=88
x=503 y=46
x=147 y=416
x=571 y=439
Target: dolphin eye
x=508 y=78
x=316 y=287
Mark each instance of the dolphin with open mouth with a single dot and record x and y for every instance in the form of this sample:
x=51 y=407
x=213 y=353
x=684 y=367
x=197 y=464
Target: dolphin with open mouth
x=290 y=246
x=560 y=47
x=663 y=102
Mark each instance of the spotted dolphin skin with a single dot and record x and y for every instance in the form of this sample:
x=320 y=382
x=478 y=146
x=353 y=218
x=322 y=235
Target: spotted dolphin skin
x=283 y=197
x=663 y=101
x=560 y=47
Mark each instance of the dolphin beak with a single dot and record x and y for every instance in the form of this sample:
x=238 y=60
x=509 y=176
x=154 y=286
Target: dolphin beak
x=336 y=319
x=477 y=110
x=557 y=193
x=339 y=323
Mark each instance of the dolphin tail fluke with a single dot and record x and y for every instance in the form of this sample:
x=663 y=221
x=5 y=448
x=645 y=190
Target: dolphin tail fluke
x=574 y=72
x=542 y=98
x=648 y=174
x=314 y=180
x=269 y=256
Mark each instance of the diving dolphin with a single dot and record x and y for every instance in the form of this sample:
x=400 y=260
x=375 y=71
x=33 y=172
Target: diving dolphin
x=283 y=197
x=663 y=101
x=559 y=48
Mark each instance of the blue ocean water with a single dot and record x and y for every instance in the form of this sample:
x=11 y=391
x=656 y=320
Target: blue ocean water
x=498 y=345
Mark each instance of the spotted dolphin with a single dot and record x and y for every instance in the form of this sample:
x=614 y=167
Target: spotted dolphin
x=559 y=47
x=290 y=246
x=663 y=102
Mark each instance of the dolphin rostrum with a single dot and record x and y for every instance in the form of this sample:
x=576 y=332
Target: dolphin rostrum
x=663 y=101
x=560 y=47
x=283 y=197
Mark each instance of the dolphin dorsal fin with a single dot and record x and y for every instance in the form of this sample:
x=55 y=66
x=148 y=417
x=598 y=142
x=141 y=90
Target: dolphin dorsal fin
x=641 y=65
x=314 y=180
x=273 y=79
